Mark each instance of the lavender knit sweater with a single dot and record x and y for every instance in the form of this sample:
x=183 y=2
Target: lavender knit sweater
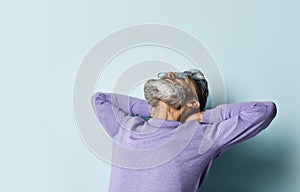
x=158 y=155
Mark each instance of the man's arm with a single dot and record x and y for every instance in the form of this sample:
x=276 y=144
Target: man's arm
x=226 y=111
x=115 y=111
x=233 y=123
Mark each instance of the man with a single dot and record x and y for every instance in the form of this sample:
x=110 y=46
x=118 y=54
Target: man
x=175 y=104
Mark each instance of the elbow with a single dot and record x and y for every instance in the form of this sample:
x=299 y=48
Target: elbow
x=266 y=110
x=98 y=98
x=271 y=109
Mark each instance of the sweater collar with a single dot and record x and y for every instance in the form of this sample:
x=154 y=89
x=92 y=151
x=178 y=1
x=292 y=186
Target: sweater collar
x=155 y=122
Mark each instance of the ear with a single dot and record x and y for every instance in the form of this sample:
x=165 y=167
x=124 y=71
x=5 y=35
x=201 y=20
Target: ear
x=193 y=103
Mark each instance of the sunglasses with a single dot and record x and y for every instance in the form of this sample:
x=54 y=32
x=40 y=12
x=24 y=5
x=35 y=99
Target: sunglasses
x=195 y=75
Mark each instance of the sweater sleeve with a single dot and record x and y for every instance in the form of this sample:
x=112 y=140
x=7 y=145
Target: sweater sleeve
x=233 y=123
x=116 y=111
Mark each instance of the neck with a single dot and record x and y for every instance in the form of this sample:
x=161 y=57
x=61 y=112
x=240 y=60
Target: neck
x=163 y=111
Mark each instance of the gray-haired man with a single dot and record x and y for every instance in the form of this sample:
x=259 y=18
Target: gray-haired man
x=175 y=105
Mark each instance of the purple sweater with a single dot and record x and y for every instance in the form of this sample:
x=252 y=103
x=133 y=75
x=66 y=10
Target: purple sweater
x=169 y=156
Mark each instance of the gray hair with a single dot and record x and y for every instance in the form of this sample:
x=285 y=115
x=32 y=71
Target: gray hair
x=158 y=89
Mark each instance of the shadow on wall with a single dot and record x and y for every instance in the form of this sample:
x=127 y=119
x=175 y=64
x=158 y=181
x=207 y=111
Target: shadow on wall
x=261 y=164
x=242 y=169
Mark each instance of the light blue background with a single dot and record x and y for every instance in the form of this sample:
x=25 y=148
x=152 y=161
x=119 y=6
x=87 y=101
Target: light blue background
x=254 y=42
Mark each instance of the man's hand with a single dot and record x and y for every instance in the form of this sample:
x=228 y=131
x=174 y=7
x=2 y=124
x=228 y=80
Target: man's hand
x=201 y=116
x=198 y=116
